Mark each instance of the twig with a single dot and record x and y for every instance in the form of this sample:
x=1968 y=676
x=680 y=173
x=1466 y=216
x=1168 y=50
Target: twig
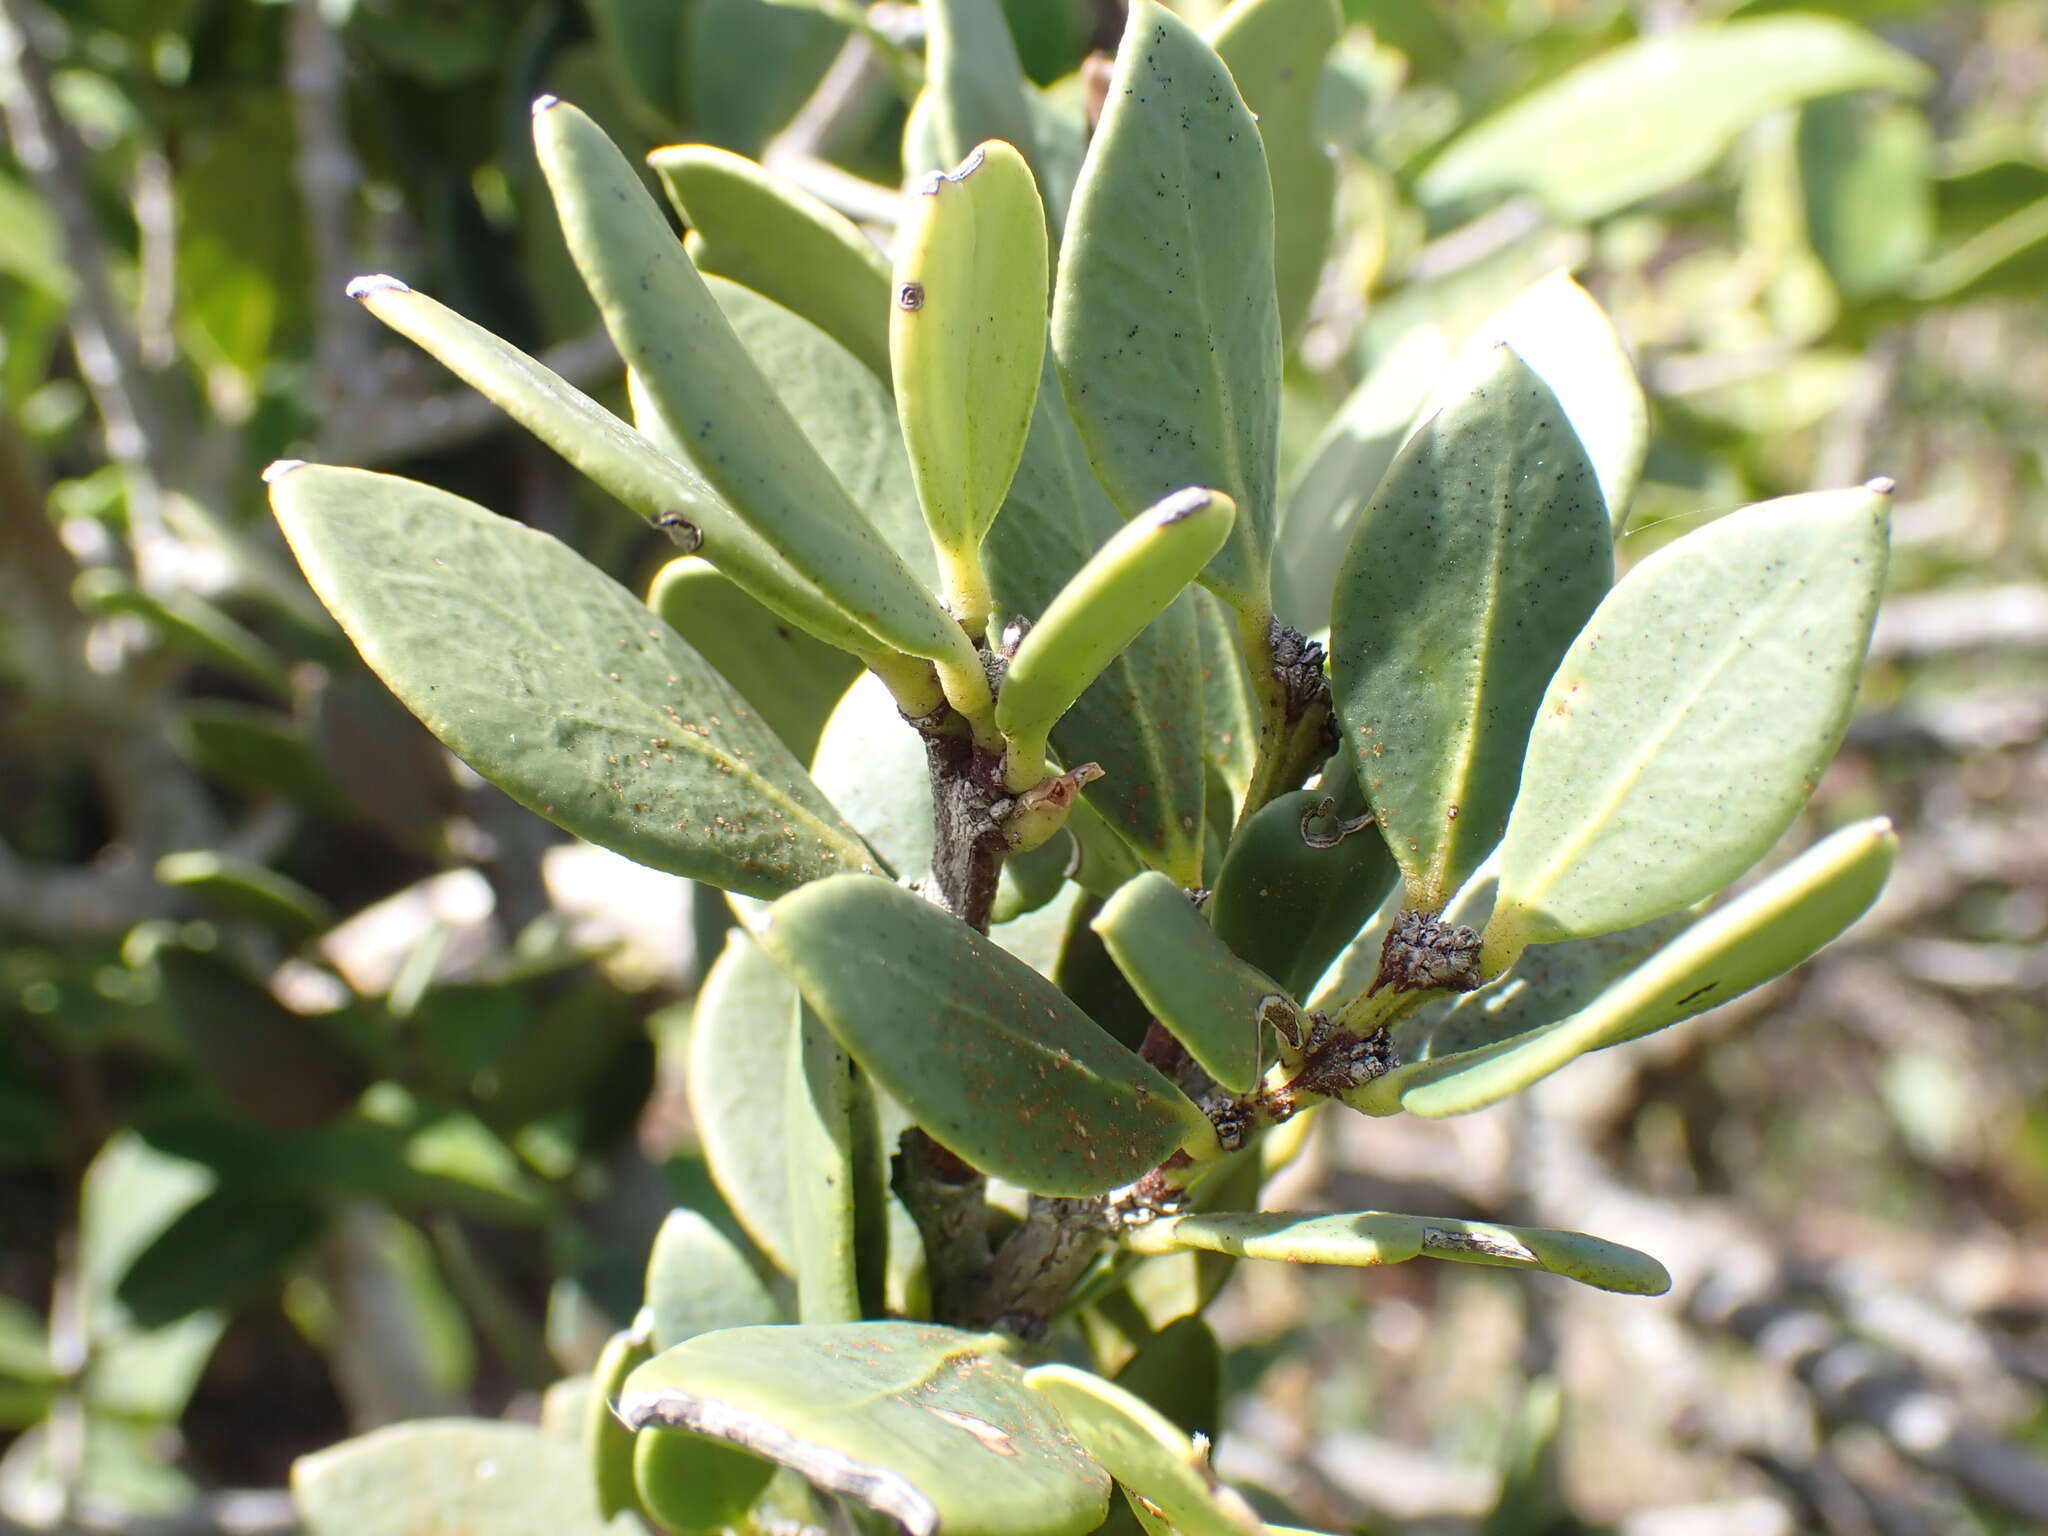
x=327 y=174
x=109 y=355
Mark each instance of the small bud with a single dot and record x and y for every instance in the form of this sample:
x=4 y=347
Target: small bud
x=1422 y=952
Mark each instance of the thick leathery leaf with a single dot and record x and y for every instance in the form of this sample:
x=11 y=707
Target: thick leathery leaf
x=791 y=680
x=986 y=1054
x=1566 y=339
x=557 y=685
x=967 y=344
x=710 y=394
x=822 y=1101
x=1164 y=319
x=872 y=764
x=750 y=225
x=1213 y=1002
x=1275 y=50
x=1289 y=906
x=1691 y=718
x=1481 y=556
x=1230 y=714
x=1371 y=1238
x=608 y=1444
x=449 y=1474
x=1141 y=719
x=1145 y=1451
x=843 y=409
x=739 y=1053
x=614 y=456
x=930 y=1426
x=1653 y=113
x=689 y=1483
x=697 y=1280
x=1762 y=933
x=975 y=90
x=1125 y=585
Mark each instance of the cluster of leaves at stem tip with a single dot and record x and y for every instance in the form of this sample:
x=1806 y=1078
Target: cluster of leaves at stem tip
x=1101 y=877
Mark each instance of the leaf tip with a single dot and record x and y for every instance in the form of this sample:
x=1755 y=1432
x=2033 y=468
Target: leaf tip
x=545 y=102
x=375 y=282
x=277 y=469
x=1182 y=505
x=1880 y=485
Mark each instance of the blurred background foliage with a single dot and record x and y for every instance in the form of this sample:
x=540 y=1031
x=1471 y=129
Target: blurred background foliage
x=336 y=1089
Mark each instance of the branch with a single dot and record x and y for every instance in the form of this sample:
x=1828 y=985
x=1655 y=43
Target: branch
x=109 y=355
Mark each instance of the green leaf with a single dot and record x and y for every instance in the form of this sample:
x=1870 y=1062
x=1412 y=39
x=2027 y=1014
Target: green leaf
x=1141 y=718
x=987 y=1055
x=738 y=1065
x=975 y=89
x=713 y=398
x=1125 y=585
x=1230 y=713
x=967 y=343
x=1289 y=907
x=1164 y=319
x=218 y=1253
x=1773 y=926
x=689 y=1483
x=623 y=462
x=1372 y=1238
x=1275 y=50
x=786 y=50
x=545 y=676
x=1214 y=1003
x=258 y=750
x=1479 y=559
x=242 y=888
x=1145 y=1451
x=608 y=1444
x=930 y=1426
x=2009 y=257
x=1691 y=718
x=1653 y=113
x=1866 y=170
x=823 y=1107
x=697 y=1280
x=872 y=764
x=750 y=225
x=446 y=1475
x=791 y=680
x=1567 y=341
x=845 y=412
x=284 y=1070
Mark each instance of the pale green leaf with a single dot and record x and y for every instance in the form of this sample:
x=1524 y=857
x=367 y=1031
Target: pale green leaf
x=697 y=1280
x=1653 y=113
x=1165 y=322
x=1373 y=1238
x=750 y=225
x=557 y=685
x=1691 y=718
x=1145 y=1451
x=1775 y=925
x=931 y=1427
x=1275 y=50
x=450 y=1474
x=739 y=1054
x=1484 y=551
